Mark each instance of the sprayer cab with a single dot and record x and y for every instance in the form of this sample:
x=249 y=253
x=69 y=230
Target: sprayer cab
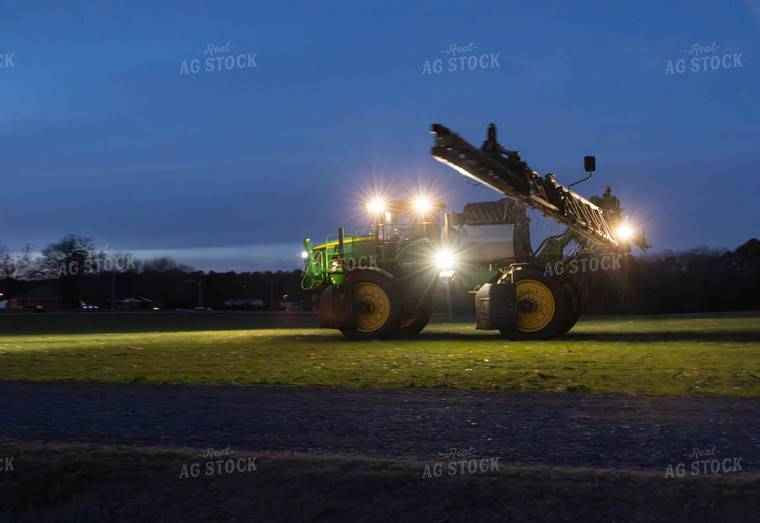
x=380 y=279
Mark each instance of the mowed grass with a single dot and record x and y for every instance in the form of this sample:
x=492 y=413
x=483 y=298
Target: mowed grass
x=716 y=354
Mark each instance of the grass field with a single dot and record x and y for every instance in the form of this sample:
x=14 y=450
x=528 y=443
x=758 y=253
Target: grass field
x=715 y=354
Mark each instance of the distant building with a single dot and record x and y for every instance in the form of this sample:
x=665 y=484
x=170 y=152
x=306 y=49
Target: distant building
x=45 y=296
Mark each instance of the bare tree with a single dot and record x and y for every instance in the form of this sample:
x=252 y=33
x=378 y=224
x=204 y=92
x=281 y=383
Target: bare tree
x=19 y=266
x=59 y=259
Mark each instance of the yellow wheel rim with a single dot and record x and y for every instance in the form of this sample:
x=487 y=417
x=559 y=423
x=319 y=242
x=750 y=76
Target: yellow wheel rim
x=542 y=302
x=379 y=306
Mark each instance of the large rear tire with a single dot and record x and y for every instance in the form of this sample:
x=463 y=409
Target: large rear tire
x=378 y=306
x=413 y=323
x=542 y=310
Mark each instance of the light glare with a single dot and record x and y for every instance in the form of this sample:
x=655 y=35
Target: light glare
x=624 y=232
x=422 y=205
x=376 y=206
x=444 y=260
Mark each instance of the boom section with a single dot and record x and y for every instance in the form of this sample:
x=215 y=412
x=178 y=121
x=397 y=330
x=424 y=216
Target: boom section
x=505 y=172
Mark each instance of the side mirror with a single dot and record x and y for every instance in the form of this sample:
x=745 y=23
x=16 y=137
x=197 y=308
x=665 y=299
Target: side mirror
x=589 y=164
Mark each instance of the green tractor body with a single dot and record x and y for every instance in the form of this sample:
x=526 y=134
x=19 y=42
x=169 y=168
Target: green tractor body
x=380 y=280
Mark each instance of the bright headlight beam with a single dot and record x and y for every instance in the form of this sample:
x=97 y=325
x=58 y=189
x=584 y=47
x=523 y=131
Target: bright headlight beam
x=624 y=232
x=376 y=206
x=444 y=260
x=422 y=205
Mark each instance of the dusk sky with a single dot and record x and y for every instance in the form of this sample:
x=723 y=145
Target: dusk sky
x=107 y=132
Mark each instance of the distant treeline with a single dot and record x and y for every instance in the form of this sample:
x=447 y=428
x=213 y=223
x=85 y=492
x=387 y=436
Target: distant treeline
x=74 y=272
x=699 y=280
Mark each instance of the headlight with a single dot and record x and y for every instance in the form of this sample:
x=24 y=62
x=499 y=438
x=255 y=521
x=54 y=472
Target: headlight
x=304 y=255
x=422 y=205
x=376 y=207
x=444 y=260
x=624 y=232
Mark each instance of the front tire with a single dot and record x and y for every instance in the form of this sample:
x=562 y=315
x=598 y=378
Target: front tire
x=541 y=307
x=378 y=311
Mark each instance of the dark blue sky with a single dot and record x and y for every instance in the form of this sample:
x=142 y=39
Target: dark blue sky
x=101 y=136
